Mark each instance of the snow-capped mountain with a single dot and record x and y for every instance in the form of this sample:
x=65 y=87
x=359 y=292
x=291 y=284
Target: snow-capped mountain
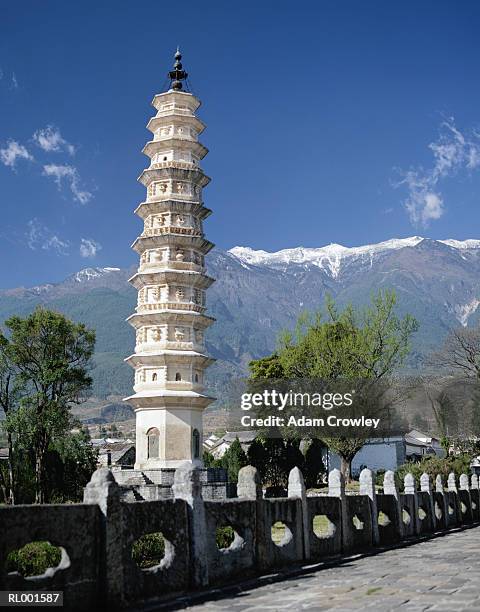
x=333 y=257
x=259 y=293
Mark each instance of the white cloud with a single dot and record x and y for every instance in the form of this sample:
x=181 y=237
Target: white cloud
x=424 y=207
x=59 y=173
x=12 y=152
x=50 y=139
x=452 y=152
x=89 y=248
x=14 y=81
x=40 y=237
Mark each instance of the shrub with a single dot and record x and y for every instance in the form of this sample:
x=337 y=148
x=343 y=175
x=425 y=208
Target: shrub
x=458 y=464
x=224 y=536
x=149 y=550
x=33 y=559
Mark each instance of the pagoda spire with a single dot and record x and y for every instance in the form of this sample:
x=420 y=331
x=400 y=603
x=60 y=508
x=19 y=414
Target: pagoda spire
x=178 y=74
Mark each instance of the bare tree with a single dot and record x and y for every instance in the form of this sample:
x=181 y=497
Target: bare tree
x=454 y=403
x=460 y=353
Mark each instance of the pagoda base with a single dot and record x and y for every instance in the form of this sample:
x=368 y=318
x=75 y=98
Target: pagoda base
x=155 y=484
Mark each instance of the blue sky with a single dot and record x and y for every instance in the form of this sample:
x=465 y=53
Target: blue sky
x=349 y=122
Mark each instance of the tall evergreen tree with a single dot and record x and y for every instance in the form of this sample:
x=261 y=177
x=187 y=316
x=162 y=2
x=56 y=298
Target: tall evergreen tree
x=51 y=356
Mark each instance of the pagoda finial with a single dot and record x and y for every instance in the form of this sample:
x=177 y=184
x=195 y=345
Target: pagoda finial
x=178 y=74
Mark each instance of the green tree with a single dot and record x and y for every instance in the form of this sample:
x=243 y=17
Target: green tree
x=274 y=457
x=257 y=456
x=76 y=461
x=267 y=368
x=51 y=355
x=367 y=344
x=10 y=392
x=233 y=460
x=314 y=468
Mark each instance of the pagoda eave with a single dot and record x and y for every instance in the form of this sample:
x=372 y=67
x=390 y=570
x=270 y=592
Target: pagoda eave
x=142 y=243
x=150 y=207
x=170 y=402
x=141 y=319
x=166 y=120
x=171 y=95
x=180 y=144
x=195 y=279
x=163 y=358
x=170 y=172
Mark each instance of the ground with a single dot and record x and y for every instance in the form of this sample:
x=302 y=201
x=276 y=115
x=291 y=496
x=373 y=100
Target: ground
x=442 y=573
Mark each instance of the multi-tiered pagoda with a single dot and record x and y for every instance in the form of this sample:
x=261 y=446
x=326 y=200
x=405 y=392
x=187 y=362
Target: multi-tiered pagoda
x=170 y=321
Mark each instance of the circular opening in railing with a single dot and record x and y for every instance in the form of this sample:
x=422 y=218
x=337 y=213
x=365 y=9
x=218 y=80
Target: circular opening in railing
x=227 y=538
x=422 y=515
x=438 y=511
x=151 y=550
x=450 y=510
x=323 y=527
x=35 y=558
x=406 y=516
x=281 y=534
x=383 y=519
x=463 y=508
x=357 y=522
x=474 y=505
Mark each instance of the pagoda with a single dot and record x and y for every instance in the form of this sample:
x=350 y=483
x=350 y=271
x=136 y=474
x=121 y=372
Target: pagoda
x=170 y=321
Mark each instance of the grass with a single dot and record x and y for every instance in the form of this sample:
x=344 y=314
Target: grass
x=278 y=532
x=321 y=526
x=149 y=550
x=33 y=559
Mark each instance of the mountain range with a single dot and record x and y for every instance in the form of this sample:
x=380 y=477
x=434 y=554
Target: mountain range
x=258 y=293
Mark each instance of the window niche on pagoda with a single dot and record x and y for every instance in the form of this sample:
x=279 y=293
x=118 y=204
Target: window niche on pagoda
x=159 y=188
x=150 y=375
x=178 y=373
x=181 y=334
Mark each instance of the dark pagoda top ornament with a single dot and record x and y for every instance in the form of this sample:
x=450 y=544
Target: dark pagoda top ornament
x=178 y=74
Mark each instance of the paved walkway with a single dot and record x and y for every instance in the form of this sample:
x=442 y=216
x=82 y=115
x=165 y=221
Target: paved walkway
x=439 y=574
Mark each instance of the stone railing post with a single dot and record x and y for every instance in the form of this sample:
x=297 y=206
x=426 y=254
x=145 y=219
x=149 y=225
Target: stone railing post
x=103 y=491
x=475 y=497
x=464 y=484
x=296 y=489
x=187 y=486
x=425 y=483
x=465 y=499
x=367 y=487
x=411 y=489
x=452 y=500
x=336 y=488
x=390 y=488
x=439 y=490
x=249 y=487
x=426 y=487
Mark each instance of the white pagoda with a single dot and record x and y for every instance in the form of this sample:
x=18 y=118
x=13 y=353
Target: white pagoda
x=169 y=320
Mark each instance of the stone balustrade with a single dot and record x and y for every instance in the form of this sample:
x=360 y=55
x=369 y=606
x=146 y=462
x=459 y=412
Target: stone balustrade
x=96 y=537
x=183 y=165
x=154 y=306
